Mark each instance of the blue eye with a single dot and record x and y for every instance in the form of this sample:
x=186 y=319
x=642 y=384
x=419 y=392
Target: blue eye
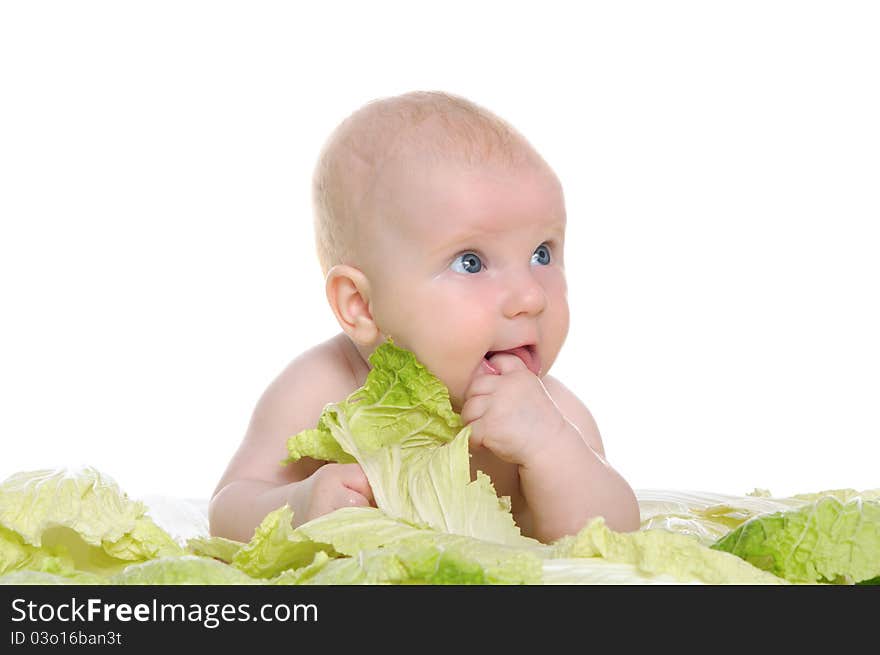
x=467 y=262
x=541 y=255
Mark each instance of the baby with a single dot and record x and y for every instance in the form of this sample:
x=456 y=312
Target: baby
x=440 y=226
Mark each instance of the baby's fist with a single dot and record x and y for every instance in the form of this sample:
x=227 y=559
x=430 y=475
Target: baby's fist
x=331 y=487
x=511 y=414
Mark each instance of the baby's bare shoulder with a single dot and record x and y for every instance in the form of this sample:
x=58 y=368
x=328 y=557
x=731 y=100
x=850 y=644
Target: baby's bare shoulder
x=322 y=367
x=291 y=403
x=296 y=397
x=575 y=411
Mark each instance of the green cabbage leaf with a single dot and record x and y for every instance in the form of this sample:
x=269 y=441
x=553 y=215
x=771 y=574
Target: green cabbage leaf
x=824 y=541
x=401 y=428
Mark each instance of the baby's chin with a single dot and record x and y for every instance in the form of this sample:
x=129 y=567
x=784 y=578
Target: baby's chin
x=457 y=392
x=457 y=400
x=458 y=388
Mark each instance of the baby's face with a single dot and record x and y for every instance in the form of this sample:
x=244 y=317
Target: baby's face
x=468 y=261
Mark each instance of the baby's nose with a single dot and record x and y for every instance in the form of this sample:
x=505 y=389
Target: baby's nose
x=525 y=295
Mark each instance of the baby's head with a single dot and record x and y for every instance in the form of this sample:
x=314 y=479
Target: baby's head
x=440 y=226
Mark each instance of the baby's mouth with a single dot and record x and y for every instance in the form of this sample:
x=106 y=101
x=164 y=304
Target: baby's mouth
x=527 y=353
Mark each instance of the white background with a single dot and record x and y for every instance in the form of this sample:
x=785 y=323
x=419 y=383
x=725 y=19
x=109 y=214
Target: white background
x=721 y=169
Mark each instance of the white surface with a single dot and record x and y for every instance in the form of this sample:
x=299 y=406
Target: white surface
x=182 y=518
x=720 y=166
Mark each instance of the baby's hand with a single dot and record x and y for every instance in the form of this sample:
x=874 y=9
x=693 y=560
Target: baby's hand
x=331 y=487
x=511 y=414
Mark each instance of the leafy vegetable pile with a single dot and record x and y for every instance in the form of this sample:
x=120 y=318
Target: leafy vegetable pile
x=432 y=523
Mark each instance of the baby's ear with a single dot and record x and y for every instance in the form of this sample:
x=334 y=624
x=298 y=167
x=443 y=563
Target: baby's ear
x=348 y=292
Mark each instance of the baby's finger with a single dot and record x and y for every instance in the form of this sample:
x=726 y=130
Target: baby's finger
x=477 y=436
x=507 y=363
x=474 y=408
x=350 y=498
x=482 y=385
x=356 y=480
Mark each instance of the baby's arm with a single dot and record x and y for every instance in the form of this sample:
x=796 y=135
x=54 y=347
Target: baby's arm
x=568 y=490
x=256 y=483
x=544 y=429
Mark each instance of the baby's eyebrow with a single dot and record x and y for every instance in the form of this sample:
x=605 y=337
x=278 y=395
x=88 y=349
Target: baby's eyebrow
x=558 y=227
x=473 y=235
x=458 y=240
